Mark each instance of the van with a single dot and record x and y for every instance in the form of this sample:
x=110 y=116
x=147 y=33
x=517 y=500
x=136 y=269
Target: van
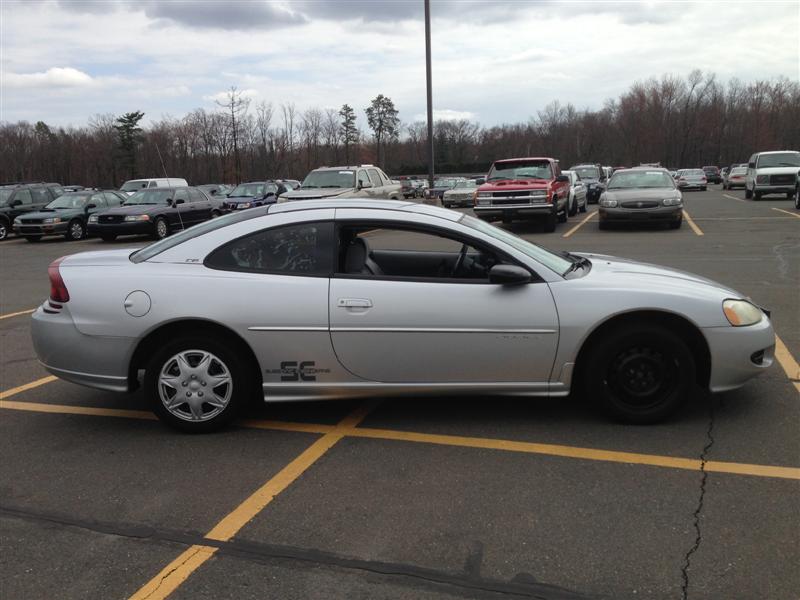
x=772 y=173
x=134 y=185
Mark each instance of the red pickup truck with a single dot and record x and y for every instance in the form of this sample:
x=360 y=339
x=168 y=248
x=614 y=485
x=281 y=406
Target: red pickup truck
x=524 y=189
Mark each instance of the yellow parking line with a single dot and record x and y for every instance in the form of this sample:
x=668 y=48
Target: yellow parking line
x=28 y=386
x=787 y=212
x=174 y=574
x=67 y=409
x=655 y=460
x=579 y=225
x=733 y=197
x=787 y=362
x=16 y=314
x=691 y=223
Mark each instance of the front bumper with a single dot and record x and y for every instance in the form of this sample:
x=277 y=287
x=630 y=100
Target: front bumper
x=664 y=214
x=40 y=228
x=773 y=189
x=732 y=351
x=94 y=361
x=124 y=228
x=514 y=211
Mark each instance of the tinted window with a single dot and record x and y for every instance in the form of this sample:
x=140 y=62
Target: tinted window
x=375 y=178
x=56 y=190
x=98 y=200
x=24 y=196
x=153 y=184
x=304 y=249
x=196 y=196
x=41 y=195
x=112 y=199
x=779 y=159
x=181 y=195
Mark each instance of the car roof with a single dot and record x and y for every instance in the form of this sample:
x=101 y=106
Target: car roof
x=777 y=152
x=399 y=205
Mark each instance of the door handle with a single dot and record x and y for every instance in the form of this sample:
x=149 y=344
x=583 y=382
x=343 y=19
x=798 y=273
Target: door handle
x=355 y=303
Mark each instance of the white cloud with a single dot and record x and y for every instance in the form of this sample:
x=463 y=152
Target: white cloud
x=447 y=114
x=222 y=97
x=58 y=77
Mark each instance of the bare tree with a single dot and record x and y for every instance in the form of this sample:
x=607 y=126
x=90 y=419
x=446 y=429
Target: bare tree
x=235 y=105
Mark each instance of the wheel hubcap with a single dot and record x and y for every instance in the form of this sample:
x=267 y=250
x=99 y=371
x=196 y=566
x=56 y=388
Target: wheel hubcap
x=77 y=231
x=195 y=385
x=642 y=376
x=2 y=232
x=162 y=229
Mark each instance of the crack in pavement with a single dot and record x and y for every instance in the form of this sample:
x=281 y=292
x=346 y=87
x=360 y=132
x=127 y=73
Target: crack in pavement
x=687 y=560
x=468 y=583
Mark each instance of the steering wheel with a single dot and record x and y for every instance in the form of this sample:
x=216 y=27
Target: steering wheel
x=460 y=260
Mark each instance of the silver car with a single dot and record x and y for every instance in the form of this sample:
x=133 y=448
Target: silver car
x=462 y=194
x=354 y=298
x=577 y=193
x=364 y=181
x=692 y=179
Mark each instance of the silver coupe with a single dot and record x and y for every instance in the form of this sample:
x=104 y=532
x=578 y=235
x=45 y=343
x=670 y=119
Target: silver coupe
x=343 y=298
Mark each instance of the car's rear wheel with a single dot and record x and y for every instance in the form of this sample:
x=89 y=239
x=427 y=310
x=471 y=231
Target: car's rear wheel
x=160 y=228
x=196 y=384
x=75 y=231
x=639 y=373
x=551 y=218
x=704 y=188
x=748 y=193
x=583 y=207
x=789 y=195
x=33 y=238
x=573 y=209
x=3 y=230
x=108 y=237
x=676 y=224
x=756 y=195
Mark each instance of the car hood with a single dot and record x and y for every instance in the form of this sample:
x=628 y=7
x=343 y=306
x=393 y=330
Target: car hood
x=641 y=194
x=47 y=213
x=605 y=266
x=135 y=209
x=315 y=194
x=515 y=184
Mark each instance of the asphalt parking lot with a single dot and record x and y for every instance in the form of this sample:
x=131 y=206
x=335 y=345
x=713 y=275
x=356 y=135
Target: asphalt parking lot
x=421 y=498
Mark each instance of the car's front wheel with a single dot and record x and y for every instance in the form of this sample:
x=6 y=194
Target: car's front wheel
x=160 y=228
x=573 y=209
x=640 y=374
x=748 y=193
x=196 y=385
x=3 y=229
x=75 y=231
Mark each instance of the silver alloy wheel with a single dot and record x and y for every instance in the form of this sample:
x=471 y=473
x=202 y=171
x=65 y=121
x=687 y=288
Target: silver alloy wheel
x=3 y=230
x=195 y=385
x=161 y=228
x=76 y=230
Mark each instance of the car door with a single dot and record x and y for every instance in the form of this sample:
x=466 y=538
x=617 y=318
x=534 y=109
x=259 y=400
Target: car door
x=377 y=190
x=21 y=203
x=410 y=322
x=201 y=205
x=99 y=202
x=363 y=183
x=182 y=214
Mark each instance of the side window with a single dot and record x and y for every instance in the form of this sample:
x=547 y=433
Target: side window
x=98 y=200
x=375 y=178
x=304 y=249
x=112 y=199
x=181 y=195
x=40 y=195
x=385 y=179
x=389 y=252
x=152 y=184
x=24 y=196
x=196 y=196
x=56 y=191
x=363 y=178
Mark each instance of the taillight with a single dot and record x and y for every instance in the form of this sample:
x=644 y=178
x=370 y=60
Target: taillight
x=58 y=289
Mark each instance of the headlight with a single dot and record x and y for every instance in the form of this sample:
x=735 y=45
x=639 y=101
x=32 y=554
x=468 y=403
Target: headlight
x=244 y=205
x=741 y=313
x=52 y=220
x=484 y=194
x=605 y=202
x=93 y=219
x=137 y=218
x=671 y=201
x=538 y=193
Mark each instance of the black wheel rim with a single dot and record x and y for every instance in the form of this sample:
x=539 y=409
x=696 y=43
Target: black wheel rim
x=642 y=377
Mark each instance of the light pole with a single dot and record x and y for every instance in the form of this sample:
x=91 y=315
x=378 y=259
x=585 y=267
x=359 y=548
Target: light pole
x=430 y=90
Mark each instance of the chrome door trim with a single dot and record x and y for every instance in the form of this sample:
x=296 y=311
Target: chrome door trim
x=284 y=328
x=437 y=330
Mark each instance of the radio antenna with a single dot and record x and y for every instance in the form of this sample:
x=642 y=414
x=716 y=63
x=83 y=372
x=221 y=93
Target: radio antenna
x=169 y=185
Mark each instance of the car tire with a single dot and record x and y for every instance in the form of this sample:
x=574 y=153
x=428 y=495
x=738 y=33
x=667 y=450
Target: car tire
x=676 y=224
x=160 y=228
x=4 y=229
x=551 y=218
x=703 y=189
x=108 y=237
x=215 y=214
x=756 y=195
x=561 y=215
x=75 y=231
x=33 y=238
x=640 y=373
x=748 y=193
x=789 y=195
x=584 y=207
x=198 y=362
x=573 y=209
x=603 y=225
x=797 y=198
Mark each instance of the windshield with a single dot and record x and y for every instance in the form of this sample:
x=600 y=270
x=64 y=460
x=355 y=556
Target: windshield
x=134 y=185
x=5 y=195
x=628 y=180
x=779 y=159
x=552 y=261
x=154 y=196
x=587 y=172
x=465 y=184
x=252 y=190
x=156 y=248
x=330 y=179
x=70 y=201
x=739 y=171
x=693 y=172
x=520 y=169
x=445 y=183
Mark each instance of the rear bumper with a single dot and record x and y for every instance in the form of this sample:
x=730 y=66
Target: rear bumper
x=666 y=214
x=40 y=229
x=94 y=361
x=732 y=351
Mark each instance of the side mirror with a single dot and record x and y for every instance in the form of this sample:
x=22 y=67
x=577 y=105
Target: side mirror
x=562 y=179
x=509 y=275
x=362 y=185
x=91 y=206
x=16 y=203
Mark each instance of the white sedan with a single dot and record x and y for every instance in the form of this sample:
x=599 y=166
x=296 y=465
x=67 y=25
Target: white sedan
x=343 y=298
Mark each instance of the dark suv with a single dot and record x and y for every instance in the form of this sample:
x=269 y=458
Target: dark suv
x=713 y=174
x=594 y=178
x=20 y=198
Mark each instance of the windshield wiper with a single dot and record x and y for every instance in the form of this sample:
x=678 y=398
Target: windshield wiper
x=580 y=262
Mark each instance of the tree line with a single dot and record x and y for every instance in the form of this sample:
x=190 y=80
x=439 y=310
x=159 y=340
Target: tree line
x=678 y=121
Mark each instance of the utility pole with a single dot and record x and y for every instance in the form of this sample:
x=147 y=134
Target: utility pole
x=430 y=90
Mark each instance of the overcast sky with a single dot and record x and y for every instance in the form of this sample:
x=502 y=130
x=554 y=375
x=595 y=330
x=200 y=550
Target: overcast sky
x=494 y=62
